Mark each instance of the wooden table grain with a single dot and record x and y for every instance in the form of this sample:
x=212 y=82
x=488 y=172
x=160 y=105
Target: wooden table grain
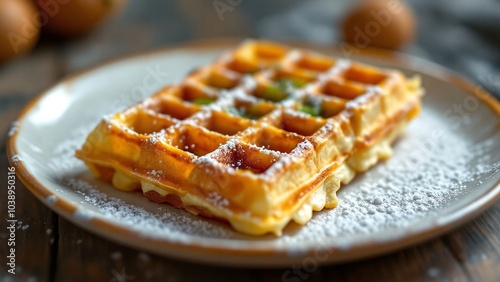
x=48 y=248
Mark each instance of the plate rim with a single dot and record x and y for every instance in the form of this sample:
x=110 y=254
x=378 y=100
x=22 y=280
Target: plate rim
x=194 y=251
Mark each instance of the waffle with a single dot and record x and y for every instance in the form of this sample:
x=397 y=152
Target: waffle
x=264 y=135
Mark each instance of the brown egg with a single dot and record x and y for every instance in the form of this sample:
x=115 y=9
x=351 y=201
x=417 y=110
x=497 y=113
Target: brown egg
x=19 y=28
x=68 y=18
x=386 y=24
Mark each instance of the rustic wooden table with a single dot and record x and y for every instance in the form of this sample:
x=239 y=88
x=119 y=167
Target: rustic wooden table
x=50 y=248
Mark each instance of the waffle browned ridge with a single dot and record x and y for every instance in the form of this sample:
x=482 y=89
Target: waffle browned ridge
x=264 y=135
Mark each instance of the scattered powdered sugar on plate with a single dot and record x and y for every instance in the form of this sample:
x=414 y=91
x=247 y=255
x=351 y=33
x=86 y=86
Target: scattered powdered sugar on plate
x=16 y=159
x=64 y=160
x=51 y=199
x=13 y=128
x=423 y=177
x=163 y=224
x=83 y=214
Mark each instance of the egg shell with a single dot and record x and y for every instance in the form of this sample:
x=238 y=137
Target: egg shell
x=19 y=28
x=386 y=24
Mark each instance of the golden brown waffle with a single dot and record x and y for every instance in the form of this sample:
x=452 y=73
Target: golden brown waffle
x=264 y=135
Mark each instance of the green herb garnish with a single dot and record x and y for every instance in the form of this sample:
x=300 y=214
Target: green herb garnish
x=203 y=101
x=242 y=112
x=274 y=92
x=282 y=88
x=312 y=108
x=296 y=82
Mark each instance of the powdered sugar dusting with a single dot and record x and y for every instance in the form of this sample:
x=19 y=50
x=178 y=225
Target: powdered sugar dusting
x=274 y=154
x=13 y=128
x=303 y=147
x=65 y=161
x=16 y=159
x=216 y=199
x=51 y=199
x=155 y=174
x=82 y=214
x=425 y=175
x=157 y=136
x=174 y=225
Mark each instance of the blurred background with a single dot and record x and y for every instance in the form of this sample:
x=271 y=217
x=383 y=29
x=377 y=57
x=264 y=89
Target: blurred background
x=42 y=41
x=72 y=35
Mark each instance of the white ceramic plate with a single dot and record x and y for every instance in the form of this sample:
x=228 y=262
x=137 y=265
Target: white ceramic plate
x=444 y=171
